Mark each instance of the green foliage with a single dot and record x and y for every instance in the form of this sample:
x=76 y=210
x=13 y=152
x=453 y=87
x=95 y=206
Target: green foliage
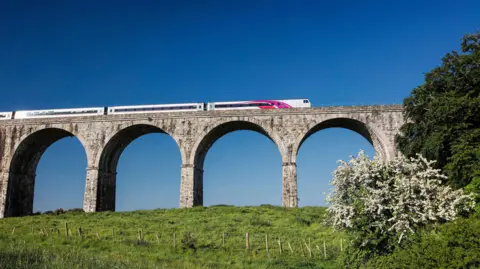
x=474 y=188
x=188 y=241
x=443 y=115
x=452 y=245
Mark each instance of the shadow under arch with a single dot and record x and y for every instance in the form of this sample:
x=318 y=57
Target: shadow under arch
x=202 y=147
x=23 y=166
x=351 y=124
x=108 y=161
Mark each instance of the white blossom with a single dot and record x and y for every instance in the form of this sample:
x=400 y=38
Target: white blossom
x=397 y=196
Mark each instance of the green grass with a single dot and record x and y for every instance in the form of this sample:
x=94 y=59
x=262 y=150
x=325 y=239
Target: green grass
x=129 y=239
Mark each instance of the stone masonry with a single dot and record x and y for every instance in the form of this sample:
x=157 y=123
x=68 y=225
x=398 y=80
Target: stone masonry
x=22 y=143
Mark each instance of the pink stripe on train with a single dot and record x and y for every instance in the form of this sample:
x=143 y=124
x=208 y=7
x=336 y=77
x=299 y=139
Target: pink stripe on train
x=273 y=104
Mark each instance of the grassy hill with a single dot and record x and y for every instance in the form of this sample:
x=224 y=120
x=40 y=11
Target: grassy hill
x=201 y=237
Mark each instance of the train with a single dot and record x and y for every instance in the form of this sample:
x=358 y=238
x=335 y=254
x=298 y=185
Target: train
x=158 y=108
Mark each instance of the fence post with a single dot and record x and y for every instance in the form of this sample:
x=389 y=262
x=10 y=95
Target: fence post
x=280 y=245
x=66 y=229
x=324 y=250
x=309 y=250
x=140 y=235
x=246 y=240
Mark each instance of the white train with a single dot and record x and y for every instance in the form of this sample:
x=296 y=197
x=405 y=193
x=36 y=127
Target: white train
x=94 y=111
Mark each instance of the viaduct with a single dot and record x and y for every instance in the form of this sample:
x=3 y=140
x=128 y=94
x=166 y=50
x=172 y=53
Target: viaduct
x=22 y=143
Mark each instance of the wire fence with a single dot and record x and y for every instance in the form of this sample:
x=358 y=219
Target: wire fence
x=268 y=243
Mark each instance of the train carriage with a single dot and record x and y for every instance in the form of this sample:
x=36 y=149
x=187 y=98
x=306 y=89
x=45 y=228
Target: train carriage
x=156 y=108
x=259 y=104
x=67 y=112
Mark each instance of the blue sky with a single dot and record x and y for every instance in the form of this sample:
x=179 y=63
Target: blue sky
x=65 y=54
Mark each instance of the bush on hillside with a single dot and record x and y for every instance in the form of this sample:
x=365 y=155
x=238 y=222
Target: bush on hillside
x=380 y=204
x=189 y=241
x=453 y=245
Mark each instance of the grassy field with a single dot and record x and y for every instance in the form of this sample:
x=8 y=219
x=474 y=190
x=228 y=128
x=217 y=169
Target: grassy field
x=201 y=237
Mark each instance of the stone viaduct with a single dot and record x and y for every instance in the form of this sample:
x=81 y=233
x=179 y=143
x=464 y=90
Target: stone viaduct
x=22 y=143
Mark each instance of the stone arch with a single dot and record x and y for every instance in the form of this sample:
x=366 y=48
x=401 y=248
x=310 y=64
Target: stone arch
x=23 y=165
x=368 y=132
x=208 y=138
x=192 y=172
x=109 y=156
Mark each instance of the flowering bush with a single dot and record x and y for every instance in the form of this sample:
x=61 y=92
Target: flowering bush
x=382 y=203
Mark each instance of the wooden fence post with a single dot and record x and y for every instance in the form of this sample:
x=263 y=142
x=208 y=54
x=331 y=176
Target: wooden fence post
x=140 y=235
x=309 y=250
x=246 y=240
x=280 y=245
x=66 y=229
x=324 y=250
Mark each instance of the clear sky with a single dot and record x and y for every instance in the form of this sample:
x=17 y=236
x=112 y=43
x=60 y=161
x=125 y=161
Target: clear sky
x=66 y=54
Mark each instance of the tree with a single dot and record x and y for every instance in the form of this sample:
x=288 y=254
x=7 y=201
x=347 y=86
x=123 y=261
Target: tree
x=381 y=203
x=443 y=115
